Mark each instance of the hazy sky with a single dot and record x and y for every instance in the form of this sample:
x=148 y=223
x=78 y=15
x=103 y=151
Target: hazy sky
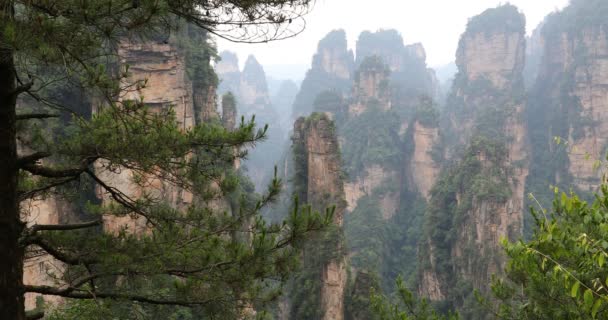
x=437 y=24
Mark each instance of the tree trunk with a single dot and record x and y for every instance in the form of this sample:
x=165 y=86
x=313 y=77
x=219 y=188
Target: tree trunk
x=11 y=252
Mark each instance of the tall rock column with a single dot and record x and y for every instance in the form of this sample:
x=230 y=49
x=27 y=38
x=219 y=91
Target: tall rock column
x=331 y=69
x=320 y=184
x=572 y=87
x=480 y=199
x=371 y=86
x=162 y=69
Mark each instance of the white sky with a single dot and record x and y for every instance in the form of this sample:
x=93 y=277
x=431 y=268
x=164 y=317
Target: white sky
x=437 y=24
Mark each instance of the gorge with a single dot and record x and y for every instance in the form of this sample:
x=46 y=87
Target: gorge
x=226 y=193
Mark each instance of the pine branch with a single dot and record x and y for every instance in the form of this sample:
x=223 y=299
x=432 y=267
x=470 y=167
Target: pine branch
x=32 y=193
x=29 y=159
x=22 y=88
x=48 y=172
x=119 y=196
x=36 y=116
x=58 y=254
x=64 y=227
x=73 y=294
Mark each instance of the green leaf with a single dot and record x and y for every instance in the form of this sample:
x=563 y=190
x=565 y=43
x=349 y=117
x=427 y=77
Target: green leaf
x=596 y=307
x=601 y=259
x=588 y=299
x=574 y=290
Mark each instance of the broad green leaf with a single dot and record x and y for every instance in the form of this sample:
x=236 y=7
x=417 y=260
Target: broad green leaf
x=596 y=307
x=601 y=259
x=574 y=290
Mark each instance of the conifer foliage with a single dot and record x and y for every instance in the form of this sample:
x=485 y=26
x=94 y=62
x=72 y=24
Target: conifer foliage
x=217 y=258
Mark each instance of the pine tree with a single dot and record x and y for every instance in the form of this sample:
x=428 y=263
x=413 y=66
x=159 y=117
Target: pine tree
x=53 y=48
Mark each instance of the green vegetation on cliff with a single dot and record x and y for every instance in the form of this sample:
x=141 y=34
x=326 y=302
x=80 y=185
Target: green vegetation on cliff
x=503 y=19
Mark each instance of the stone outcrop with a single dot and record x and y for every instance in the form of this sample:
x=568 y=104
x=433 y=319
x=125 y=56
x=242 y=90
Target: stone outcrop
x=229 y=111
x=253 y=91
x=333 y=56
x=39 y=267
x=162 y=69
x=574 y=72
x=386 y=44
x=229 y=73
x=486 y=113
x=591 y=92
x=331 y=69
x=423 y=169
x=371 y=87
x=375 y=176
x=315 y=139
x=497 y=57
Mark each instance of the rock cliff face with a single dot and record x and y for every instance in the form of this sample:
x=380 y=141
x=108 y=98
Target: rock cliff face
x=365 y=185
x=497 y=57
x=485 y=109
x=575 y=67
x=38 y=269
x=253 y=91
x=410 y=77
x=249 y=86
x=320 y=160
x=331 y=69
x=423 y=169
x=229 y=72
x=490 y=61
x=161 y=67
x=371 y=86
x=386 y=44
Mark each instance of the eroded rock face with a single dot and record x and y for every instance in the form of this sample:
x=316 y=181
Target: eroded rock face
x=487 y=109
x=333 y=56
x=497 y=57
x=386 y=44
x=162 y=69
x=316 y=137
x=375 y=176
x=585 y=59
x=422 y=167
x=38 y=268
x=371 y=87
x=253 y=88
x=331 y=69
